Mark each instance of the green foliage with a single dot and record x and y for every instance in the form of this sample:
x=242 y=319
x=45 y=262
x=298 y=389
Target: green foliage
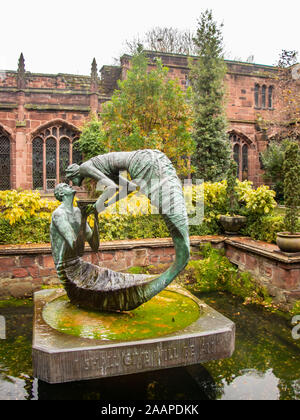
x=33 y=230
x=213 y=149
x=296 y=308
x=137 y=270
x=291 y=169
x=92 y=141
x=253 y=203
x=264 y=228
x=272 y=160
x=22 y=205
x=148 y=110
x=216 y=273
x=256 y=203
x=132 y=218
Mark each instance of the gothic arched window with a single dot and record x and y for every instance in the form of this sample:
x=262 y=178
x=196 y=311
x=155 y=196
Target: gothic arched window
x=240 y=149
x=4 y=162
x=263 y=96
x=52 y=153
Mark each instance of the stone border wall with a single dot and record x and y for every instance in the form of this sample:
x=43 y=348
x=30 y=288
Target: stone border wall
x=278 y=272
x=25 y=269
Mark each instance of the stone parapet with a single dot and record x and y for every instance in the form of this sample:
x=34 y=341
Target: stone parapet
x=24 y=269
x=278 y=272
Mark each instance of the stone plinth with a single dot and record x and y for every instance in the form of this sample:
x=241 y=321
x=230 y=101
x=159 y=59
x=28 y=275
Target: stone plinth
x=58 y=357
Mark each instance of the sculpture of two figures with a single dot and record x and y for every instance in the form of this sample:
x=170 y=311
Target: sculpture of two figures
x=94 y=287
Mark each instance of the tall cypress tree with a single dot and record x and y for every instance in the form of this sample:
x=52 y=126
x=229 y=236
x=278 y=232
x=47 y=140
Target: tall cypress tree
x=213 y=151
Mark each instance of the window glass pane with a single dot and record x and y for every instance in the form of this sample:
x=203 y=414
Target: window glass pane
x=77 y=155
x=263 y=96
x=62 y=131
x=38 y=163
x=270 y=99
x=64 y=158
x=245 y=162
x=50 y=162
x=4 y=163
x=256 y=96
x=236 y=157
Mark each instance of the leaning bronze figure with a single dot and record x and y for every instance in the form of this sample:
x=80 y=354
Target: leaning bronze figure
x=94 y=287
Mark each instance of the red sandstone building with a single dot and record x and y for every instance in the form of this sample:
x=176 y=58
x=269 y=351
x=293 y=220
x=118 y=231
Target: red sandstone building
x=41 y=116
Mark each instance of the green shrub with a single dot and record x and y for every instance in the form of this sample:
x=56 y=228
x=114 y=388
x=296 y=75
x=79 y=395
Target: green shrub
x=216 y=273
x=25 y=217
x=32 y=230
x=296 y=308
x=272 y=160
x=264 y=228
x=291 y=170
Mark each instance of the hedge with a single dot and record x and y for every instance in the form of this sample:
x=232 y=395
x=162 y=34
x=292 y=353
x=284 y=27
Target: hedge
x=25 y=217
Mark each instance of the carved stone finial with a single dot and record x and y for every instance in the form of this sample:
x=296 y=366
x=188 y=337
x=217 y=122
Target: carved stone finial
x=94 y=76
x=21 y=72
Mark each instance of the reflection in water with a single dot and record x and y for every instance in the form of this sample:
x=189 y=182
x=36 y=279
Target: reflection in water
x=265 y=365
x=264 y=386
x=170 y=384
x=266 y=362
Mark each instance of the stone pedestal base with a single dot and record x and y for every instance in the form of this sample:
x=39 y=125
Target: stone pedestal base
x=59 y=357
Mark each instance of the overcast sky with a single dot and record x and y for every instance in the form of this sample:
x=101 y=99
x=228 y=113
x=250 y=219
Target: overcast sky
x=63 y=36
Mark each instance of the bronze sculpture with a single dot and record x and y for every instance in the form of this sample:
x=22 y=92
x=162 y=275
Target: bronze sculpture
x=98 y=288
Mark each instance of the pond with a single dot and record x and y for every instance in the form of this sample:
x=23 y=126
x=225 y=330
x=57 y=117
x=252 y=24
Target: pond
x=265 y=365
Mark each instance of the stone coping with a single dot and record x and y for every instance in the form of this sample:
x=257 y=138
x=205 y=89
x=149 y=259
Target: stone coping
x=261 y=248
x=108 y=245
x=270 y=251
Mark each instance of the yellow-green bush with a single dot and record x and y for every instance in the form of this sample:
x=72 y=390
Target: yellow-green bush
x=25 y=216
x=296 y=308
x=19 y=206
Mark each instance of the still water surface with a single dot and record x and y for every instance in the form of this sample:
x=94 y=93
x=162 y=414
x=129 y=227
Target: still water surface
x=265 y=365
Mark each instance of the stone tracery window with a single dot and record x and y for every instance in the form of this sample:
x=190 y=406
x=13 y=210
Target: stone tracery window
x=4 y=162
x=240 y=149
x=52 y=152
x=263 y=96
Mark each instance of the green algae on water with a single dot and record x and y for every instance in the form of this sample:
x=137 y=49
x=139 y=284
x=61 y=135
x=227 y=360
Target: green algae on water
x=164 y=314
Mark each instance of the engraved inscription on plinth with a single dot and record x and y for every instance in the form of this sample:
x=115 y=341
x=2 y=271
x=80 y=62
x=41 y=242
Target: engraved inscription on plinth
x=59 y=357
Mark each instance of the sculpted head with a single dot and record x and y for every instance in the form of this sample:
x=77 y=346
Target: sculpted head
x=63 y=190
x=73 y=174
